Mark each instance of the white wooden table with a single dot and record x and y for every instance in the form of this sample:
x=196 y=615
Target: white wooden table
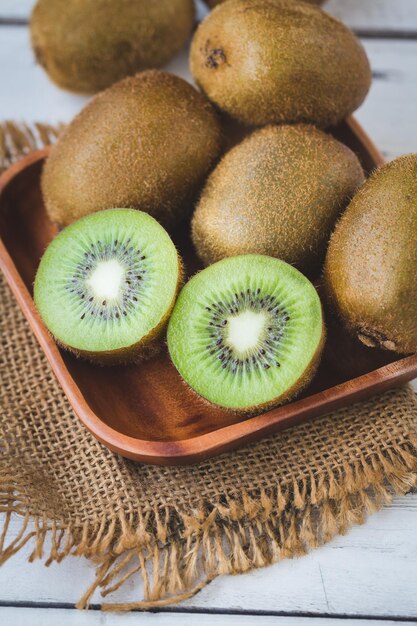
x=371 y=573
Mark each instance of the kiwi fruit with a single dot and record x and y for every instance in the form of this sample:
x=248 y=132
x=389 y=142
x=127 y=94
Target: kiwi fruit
x=371 y=264
x=147 y=143
x=106 y=285
x=247 y=332
x=279 y=61
x=277 y=193
x=87 y=45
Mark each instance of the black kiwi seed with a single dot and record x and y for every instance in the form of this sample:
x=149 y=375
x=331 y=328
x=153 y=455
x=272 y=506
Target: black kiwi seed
x=131 y=291
x=240 y=301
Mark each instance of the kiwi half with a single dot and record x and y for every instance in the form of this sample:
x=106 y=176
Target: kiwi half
x=247 y=332
x=106 y=285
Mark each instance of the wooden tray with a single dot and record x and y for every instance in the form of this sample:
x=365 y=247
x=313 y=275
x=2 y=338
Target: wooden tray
x=145 y=412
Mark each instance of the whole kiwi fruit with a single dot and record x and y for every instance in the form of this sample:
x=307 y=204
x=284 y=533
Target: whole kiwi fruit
x=86 y=45
x=279 y=61
x=279 y=193
x=371 y=264
x=147 y=143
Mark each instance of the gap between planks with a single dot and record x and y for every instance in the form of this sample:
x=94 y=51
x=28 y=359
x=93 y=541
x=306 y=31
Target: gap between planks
x=176 y=612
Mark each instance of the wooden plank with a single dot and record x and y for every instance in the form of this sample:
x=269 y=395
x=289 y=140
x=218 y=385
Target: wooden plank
x=16 y=9
x=375 y=16
x=383 y=16
x=370 y=571
x=388 y=114
x=52 y=617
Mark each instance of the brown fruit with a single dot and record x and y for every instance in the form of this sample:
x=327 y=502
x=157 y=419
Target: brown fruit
x=371 y=263
x=147 y=142
x=279 y=61
x=87 y=45
x=278 y=193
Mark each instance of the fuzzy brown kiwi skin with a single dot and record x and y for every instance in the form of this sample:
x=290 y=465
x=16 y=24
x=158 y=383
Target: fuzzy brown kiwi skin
x=289 y=395
x=319 y=77
x=148 y=347
x=97 y=162
x=370 y=271
x=278 y=193
x=87 y=46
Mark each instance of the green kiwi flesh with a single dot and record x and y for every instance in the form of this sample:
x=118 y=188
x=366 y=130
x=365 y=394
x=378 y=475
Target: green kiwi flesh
x=247 y=332
x=147 y=142
x=277 y=193
x=279 y=61
x=371 y=264
x=87 y=45
x=106 y=285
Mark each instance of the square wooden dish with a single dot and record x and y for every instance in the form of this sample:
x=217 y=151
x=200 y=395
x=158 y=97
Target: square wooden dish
x=145 y=412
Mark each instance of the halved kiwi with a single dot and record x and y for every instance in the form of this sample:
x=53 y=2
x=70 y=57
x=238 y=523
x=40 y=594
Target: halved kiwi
x=247 y=332
x=106 y=285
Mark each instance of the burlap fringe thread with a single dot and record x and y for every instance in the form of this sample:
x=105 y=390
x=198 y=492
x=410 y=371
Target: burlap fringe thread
x=176 y=554
x=17 y=140
x=233 y=537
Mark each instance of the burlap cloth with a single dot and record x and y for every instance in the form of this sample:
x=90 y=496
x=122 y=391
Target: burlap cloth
x=181 y=527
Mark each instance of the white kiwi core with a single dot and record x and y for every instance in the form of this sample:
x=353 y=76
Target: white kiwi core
x=245 y=331
x=107 y=279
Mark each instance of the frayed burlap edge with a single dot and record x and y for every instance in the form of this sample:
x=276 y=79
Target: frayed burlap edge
x=233 y=537
x=17 y=140
x=177 y=554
